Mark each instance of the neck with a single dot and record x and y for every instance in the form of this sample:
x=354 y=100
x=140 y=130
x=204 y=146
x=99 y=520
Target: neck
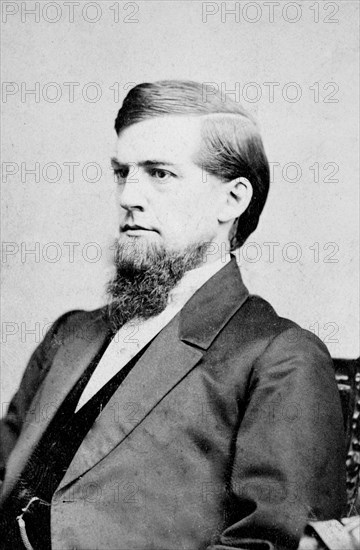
x=217 y=249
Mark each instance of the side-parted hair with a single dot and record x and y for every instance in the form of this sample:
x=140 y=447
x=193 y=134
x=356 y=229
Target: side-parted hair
x=231 y=142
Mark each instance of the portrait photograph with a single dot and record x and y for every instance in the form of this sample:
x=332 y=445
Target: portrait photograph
x=180 y=275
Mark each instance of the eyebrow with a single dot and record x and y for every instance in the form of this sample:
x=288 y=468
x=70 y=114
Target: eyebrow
x=143 y=163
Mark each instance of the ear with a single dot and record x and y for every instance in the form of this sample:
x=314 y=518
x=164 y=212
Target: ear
x=237 y=196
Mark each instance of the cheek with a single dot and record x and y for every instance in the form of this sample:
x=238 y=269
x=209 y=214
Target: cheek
x=189 y=218
x=187 y=212
x=180 y=217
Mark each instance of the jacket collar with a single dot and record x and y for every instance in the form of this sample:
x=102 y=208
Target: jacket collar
x=211 y=307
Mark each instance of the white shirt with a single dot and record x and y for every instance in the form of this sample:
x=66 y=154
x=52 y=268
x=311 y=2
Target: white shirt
x=135 y=334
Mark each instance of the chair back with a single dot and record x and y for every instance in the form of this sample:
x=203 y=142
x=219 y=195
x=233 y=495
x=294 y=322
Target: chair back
x=347 y=372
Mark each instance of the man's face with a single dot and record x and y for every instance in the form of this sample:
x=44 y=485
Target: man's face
x=165 y=199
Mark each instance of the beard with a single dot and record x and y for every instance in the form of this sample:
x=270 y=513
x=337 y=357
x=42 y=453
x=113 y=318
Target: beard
x=144 y=277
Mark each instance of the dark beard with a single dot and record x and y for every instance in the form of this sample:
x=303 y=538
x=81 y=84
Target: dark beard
x=143 y=281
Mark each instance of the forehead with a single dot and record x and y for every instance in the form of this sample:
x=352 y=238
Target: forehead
x=173 y=138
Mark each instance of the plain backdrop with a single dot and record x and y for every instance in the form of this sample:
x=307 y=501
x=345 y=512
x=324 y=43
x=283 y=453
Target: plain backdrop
x=294 y=65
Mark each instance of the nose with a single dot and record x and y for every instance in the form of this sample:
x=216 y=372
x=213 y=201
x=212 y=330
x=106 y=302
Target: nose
x=132 y=194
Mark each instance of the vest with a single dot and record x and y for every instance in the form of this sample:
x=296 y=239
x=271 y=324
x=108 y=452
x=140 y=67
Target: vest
x=52 y=456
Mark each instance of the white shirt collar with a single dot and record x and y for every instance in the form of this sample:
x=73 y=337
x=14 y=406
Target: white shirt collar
x=194 y=279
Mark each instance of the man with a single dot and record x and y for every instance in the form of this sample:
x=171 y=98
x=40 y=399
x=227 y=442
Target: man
x=186 y=414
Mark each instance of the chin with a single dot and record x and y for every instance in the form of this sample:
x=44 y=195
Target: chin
x=137 y=249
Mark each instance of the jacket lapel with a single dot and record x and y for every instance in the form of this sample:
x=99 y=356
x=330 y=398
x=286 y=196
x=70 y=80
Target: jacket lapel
x=171 y=356
x=69 y=363
x=212 y=306
x=163 y=365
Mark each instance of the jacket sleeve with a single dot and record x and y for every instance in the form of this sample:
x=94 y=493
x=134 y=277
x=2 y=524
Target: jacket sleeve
x=289 y=461
x=35 y=372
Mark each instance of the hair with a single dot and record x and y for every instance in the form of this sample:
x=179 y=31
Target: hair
x=231 y=142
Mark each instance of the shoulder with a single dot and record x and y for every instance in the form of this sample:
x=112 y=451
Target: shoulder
x=72 y=325
x=273 y=336
x=77 y=318
x=284 y=360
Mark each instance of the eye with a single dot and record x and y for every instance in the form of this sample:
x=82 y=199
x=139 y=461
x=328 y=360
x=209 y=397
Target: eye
x=160 y=174
x=121 y=173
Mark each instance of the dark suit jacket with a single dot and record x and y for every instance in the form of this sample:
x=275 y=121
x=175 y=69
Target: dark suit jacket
x=226 y=433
